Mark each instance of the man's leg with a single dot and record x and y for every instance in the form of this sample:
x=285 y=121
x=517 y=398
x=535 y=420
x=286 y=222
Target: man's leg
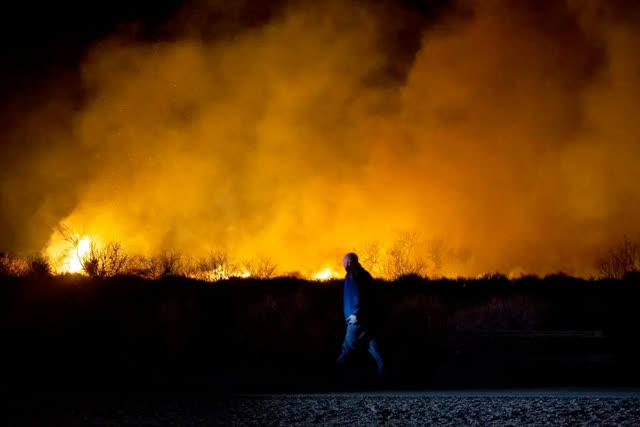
x=348 y=345
x=374 y=351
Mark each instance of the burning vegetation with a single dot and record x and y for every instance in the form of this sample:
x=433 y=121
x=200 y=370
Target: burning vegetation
x=407 y=256
x=76 y=253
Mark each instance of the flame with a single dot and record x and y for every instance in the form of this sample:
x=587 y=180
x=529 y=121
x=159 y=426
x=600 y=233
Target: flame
x=223 y=273
x=219 y=273
x=69 y=252
x=325 y=274
x=75 y=258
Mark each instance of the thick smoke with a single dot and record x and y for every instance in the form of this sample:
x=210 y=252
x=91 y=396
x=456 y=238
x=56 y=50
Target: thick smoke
x=510 y=135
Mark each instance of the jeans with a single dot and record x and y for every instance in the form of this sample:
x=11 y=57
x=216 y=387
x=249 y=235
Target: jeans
x=357 y=338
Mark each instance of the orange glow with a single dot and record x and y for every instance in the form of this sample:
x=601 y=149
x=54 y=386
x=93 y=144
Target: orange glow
x=325 y=274
x=73 y=259
x=306 y=137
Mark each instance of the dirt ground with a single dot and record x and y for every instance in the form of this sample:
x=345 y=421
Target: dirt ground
x=506 y=407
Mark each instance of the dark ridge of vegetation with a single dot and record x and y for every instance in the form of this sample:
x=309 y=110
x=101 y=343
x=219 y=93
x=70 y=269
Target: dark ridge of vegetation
x=81 y=332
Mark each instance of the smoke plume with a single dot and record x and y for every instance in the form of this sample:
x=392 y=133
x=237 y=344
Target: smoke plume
x=506 y=131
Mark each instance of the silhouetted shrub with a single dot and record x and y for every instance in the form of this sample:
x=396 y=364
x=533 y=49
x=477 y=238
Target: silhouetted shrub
x=108 y=261
x=157 y=266
x=620 y=260
x=495 y=276
x=13 y=266
x=404 y=257
x=410 y=278
x=260 y=268
x=39 y=266
x=214 y=267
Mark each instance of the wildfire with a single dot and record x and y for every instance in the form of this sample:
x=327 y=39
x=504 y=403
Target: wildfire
x=326 y=273
x=69 y=252
x=220 y=273
x=74 y=259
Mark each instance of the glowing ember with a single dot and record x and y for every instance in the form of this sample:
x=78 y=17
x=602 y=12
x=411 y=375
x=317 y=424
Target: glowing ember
x=76 y=256
x=326 y=273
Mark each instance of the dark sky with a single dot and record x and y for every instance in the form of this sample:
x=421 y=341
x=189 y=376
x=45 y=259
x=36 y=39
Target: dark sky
x=43 y=43
x=42 y=38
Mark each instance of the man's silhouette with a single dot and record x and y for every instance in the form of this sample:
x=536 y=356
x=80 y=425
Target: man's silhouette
x=359 y=313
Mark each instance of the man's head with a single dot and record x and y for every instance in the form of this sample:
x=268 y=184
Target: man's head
x=350 y=261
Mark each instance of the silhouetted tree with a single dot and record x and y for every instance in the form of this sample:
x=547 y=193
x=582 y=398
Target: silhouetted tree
x=620 y=260
x=260 y=268
x=157 y=266
x=105 y=262
x=371 y=257
x=436 y=252
x=403 y=259
x=215 y=266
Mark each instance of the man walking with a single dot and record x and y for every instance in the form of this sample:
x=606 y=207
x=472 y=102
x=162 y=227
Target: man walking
x=359 y=313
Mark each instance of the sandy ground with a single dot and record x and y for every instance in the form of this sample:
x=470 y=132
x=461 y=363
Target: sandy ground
x=509 y=407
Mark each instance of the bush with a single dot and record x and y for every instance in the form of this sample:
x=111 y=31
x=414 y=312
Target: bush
x=157 y=266
x=260 y=268
x=39 y=266
x=216 y=266
x=620 y=260
x=13 y=266
x=104 y=262
x=403 y=258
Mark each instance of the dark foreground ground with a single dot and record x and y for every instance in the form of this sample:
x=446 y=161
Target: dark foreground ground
x=283 y=335
x=497 y=407
x=128 y=351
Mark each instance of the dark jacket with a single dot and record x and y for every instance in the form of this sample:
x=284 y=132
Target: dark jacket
x=358 y=294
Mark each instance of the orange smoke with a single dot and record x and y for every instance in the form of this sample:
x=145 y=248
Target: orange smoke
x=509 y=143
